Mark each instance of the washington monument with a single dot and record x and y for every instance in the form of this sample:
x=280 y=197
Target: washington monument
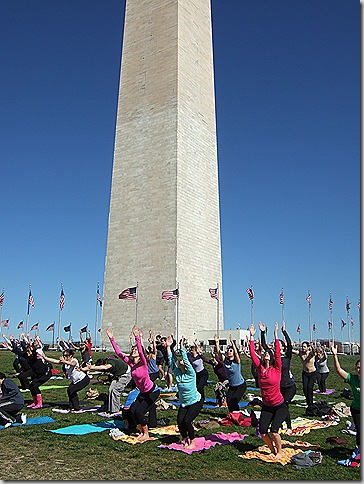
x=164 y=222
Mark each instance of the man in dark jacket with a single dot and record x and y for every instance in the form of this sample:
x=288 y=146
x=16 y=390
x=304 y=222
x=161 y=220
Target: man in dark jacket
x=11 y=402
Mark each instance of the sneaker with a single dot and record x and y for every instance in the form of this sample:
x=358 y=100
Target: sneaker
x=23 y=418
x=8 y=424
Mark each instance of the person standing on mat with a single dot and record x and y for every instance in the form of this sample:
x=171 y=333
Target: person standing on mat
x=149 y=392
x=120 y=375
x=307 y=355
x=202 y=375
x=322 y=369
x=288 y=384
x=237 y=385
x=274 y=408
x=190 y=398
x=79 y=379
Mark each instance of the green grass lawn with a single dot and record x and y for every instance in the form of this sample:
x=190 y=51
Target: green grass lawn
x=32 y=453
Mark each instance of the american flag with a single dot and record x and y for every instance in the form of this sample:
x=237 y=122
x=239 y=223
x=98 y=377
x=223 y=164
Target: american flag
x=98 y=297
x=84 y=329
x=31 y=300
x=20 y=325
x=358 y=305
x=213 y=293
x=343 y=323
x=34 y=327
x=61 y=300
x=250 y=293
x=281 y=298
x=329 y=324
x=5 y=323
x=67 y=328
x=2 y=297
x=314 y=328
x=347 y=305
x=129 y=293
x=170 y=294
x=298 y=329
x=50 y=327
x=331 y=302
x=352 y=321
x=308 y=298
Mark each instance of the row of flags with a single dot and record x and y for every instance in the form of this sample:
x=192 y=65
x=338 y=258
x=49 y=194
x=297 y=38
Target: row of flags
x=5 y=324
x=31 y=303
x=329 y=325
x=131 y=293
x=308 y=299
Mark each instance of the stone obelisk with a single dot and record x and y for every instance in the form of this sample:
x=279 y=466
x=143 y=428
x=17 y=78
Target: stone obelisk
x=164 y=223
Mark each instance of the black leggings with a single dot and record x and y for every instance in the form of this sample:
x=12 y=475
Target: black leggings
x=321 y=381
x=234 y=395
x=356 y=417
x=37 y=382
x=276 y=415
x=185 y=417
x=144 y=403
x=288 y=393
x=201 y=381
x=308 y=382
x=72 y=390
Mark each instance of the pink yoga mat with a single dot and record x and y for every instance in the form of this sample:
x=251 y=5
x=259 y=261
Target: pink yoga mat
x=203 y=443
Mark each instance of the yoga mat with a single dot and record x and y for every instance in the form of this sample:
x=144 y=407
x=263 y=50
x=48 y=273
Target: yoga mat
x=84 y=429
x=131 y=397
x=130 y=439
x=241 y=404
x=51 y=387
x=204 y=443
x=288 y=450
x=329 y=391
x=253 y=388
x=32 y=421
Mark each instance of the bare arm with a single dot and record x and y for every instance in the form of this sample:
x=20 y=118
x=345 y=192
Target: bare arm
x=218 y=349
x=342 y=373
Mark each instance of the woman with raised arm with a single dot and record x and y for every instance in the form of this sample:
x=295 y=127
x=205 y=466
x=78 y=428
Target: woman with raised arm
x=274 y=408
x=221 y=386
x=202 y=375
x=237 y=385
x=190 y=397
x=307 y=354
x=79 y=379
x=149 y=392
x=354 y=381
x=288 y=384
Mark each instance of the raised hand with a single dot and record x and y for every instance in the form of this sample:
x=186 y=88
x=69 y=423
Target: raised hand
x=261 y=326
x=109 y=333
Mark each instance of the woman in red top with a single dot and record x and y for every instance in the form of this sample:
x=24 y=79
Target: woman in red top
x=274 y=408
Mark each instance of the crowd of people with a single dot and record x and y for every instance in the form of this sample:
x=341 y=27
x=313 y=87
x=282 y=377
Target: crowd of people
x=164 y=358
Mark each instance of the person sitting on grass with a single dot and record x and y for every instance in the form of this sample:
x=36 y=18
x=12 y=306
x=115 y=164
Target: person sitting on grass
x=11 y=402
x=274 y=408
x=354 y=381
x=190 y=398
x=149 y=392
x=79 y=379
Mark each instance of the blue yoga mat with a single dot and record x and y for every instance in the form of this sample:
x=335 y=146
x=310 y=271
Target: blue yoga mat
x=253 y=388
x=208 y=400
x=33 y=421
x=84 y=429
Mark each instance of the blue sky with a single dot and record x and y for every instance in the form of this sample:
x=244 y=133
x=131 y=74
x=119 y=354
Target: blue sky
x=287 y=78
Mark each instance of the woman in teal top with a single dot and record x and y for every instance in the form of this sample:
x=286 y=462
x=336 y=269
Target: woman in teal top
x=190 y=398
x=237 y=385
x=354 y=381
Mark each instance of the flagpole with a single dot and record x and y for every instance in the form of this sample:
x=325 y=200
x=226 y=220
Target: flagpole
x=27 y=318
x=282 y=306
x=348 y=321
x=218 y=311
x=309 y=316
x=2 y=302
x=97 y=314
x=136 y=304
x=60 y=317
x=54 y=324
x=176 y=309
